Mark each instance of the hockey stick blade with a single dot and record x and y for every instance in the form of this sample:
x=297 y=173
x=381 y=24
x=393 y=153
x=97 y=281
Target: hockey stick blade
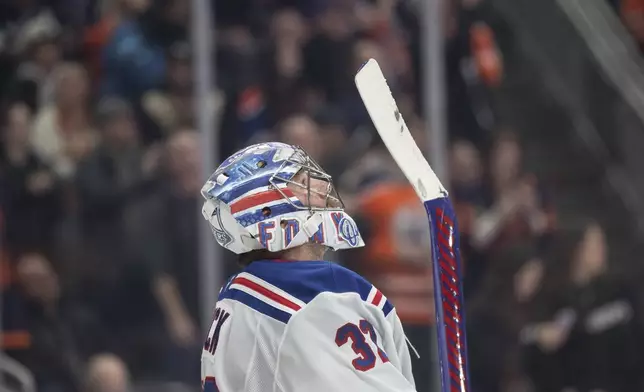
x=446 y=263
x=393 y=130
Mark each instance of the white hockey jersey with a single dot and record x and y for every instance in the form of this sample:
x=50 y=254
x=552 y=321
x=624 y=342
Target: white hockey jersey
x=304 y=326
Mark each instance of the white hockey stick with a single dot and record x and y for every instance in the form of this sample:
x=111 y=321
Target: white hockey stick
x=386 y=117
x=393 y=130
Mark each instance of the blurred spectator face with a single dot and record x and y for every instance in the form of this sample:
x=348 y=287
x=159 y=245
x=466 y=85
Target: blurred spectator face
x=121 y=131
x=184 y=155
x=238 y=39
x=46 y=54
x=528 y=280
x=180 y=67
x=591 y=255
x=366 y=49
x=37 y=278
x=287 y=25
x=506 y=160
x=107 y=373
x=117 y=123
x=335 y=23
x=466 y=167
x=331 y=122
x=18 y=125
x=335 y=137
x=302 y=131
x=72 y=85
x=179 y=75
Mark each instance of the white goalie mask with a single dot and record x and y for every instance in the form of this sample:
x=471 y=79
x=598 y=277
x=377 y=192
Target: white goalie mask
x=273 y=196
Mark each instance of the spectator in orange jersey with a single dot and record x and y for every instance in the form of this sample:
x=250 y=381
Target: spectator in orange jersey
x=398 y=258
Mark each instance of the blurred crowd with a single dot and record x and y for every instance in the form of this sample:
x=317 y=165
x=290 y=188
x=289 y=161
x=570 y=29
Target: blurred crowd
x=100 y=175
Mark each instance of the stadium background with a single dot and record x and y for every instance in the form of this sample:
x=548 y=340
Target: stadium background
x=104 y=125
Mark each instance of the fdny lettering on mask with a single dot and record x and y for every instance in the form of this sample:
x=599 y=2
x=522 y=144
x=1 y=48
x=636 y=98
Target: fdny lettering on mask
x=290 y=227
x=318 y=237
x=267 y=230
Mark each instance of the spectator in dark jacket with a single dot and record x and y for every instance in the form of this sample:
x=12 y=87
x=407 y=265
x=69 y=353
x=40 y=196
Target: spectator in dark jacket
x=508 y=299
x=597 y=332
x=63 y=332
x=113 y=177
x=168 y=238
x=32 y=201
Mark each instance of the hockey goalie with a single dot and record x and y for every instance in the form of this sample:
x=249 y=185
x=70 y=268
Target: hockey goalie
x=290 y=321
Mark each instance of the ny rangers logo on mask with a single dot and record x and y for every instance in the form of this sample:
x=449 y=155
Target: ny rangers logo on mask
x=222 y=236
x=349 y=232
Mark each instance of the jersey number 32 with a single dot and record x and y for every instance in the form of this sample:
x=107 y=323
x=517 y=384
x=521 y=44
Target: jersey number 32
x=358 y=334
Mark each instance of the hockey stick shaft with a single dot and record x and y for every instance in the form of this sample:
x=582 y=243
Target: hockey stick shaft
x=448 y=296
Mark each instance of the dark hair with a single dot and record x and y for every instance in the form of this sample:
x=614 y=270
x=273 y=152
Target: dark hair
x=245 y=259
x=110 y=108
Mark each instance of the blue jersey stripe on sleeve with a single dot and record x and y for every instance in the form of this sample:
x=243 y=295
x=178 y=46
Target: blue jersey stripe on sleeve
x=387 y=308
